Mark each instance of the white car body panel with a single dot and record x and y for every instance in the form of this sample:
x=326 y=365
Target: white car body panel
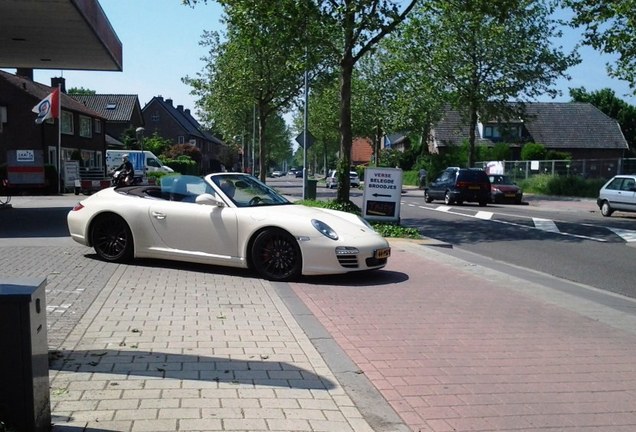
x=221 y=234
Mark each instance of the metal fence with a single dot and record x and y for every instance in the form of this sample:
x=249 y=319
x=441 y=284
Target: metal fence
x=586 y=168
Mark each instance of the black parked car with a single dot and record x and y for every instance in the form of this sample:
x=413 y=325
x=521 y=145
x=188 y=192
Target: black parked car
x=459 y=185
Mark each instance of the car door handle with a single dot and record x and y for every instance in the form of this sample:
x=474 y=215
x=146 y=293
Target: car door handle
x=158 y=215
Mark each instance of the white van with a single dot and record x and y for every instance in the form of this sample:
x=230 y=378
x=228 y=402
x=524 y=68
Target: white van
x=144 y=162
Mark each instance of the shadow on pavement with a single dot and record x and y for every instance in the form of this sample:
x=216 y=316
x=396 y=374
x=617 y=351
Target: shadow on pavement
x=258 y=371
x=358 y=279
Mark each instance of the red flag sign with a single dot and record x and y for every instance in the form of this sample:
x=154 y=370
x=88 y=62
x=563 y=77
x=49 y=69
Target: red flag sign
x=49 y=107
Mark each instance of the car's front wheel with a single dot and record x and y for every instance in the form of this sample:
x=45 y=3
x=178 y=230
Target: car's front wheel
x=447 y=198
x=112 y=239
x=427 y=197
x=276 y=256
x=606 y=209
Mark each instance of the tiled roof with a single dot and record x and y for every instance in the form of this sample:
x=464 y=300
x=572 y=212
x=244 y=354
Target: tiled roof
x=573 y=125
x=553 y=124
x=187 y=122
x=113 y=107
x=39 y=91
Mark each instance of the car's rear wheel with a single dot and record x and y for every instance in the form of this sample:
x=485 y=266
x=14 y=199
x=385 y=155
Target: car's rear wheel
x=112 y=239
x=447 y=198
x=276 y=256
x=427 y=197
x=606 y=209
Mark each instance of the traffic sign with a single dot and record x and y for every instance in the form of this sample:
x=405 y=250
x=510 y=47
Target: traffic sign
x=300 y=139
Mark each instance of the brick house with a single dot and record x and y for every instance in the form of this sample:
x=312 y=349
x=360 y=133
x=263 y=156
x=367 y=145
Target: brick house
x=179 y=126
x=122 y=112
x=82 y=129
x=580 y=129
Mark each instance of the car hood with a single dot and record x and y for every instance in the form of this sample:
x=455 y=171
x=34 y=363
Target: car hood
x=291 y=217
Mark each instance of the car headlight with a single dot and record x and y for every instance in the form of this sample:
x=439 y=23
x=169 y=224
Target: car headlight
x=324 y=229
x=496 y=190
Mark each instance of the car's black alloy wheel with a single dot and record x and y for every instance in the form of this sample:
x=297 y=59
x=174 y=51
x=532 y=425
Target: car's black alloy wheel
x=276 y=255
x=112 y=239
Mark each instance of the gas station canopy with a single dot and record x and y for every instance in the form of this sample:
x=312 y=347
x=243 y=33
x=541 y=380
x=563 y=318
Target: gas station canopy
x=57 y=34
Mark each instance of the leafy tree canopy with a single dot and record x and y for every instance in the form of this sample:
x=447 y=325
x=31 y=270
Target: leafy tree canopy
x=609 y=27
x=80 y=91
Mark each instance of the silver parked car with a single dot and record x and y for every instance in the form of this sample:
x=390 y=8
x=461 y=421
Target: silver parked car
x=618 y=194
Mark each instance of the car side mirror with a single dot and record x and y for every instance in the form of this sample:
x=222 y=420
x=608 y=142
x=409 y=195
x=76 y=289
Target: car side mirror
x=209 y=199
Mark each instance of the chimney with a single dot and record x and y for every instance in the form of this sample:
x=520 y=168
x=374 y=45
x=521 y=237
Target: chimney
x=169 y=102
x=180 y=108
x=59 y=80
x=25 y=73
x=187 y=111
x=160 y=98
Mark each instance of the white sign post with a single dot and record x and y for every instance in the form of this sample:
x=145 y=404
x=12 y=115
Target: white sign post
x=382 y=194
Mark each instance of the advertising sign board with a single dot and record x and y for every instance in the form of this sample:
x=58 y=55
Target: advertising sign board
x=382 y=194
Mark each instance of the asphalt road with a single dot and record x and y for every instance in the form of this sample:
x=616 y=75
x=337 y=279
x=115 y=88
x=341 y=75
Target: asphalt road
x=565 y=238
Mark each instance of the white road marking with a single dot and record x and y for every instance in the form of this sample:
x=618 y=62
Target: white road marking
x=628 y=235
x=545 y=225
x=484 y=215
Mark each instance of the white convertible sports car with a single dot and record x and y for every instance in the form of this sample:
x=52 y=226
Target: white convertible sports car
x=228 y=219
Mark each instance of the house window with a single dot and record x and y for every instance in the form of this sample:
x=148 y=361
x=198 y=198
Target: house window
x=85 y=127
x=491 y=132
x=181 y=139
x=98 y=126
x=111 y=106
x=67 y=123
x=155 y=117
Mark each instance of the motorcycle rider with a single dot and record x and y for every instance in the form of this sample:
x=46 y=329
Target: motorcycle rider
x=126 y=172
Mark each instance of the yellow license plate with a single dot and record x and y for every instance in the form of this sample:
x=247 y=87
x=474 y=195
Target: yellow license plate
x=382 y=253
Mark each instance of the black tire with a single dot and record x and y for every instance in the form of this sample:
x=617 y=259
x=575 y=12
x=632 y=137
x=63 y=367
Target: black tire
x=483 y=203
x=447 y=198
x=427 y=197
x=276 y=256
x=112 y=239
x=606 y=209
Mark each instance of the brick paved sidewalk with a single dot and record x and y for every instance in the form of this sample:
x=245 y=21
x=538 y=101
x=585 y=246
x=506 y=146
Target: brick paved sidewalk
x=455 y=346
x=172 y=349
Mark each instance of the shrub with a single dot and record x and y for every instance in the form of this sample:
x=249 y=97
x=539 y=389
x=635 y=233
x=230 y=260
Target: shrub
x=575 y=186
x=533 y=151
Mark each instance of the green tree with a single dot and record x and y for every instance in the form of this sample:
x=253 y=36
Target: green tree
x=259 y=64
x=606 y=101
x=156 y=144
x=80 y=91
x=360 y=26
x=488 y=52
x=533 y=151
x=609 y=27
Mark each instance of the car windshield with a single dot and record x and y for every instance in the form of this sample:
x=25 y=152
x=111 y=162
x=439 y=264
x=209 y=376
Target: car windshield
x=500 y=179
x=247 y=191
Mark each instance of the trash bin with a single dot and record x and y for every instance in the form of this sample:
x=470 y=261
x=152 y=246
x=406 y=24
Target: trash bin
x=24 y=364
x=311 y=189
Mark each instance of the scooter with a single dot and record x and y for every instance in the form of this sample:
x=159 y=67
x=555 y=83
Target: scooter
x=121 y=178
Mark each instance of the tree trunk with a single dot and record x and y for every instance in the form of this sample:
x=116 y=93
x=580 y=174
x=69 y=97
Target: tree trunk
x=346 y=138
x=262 y=121
x=471 y=137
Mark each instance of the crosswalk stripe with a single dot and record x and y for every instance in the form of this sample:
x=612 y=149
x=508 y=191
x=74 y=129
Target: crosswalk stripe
x=545 y=225
x=484 y=215
x=628 y=235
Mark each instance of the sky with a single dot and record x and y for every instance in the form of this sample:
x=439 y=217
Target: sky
x=161 y=38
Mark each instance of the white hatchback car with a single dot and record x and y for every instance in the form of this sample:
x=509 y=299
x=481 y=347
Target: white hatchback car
x=332 y=179
x=618 y=194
